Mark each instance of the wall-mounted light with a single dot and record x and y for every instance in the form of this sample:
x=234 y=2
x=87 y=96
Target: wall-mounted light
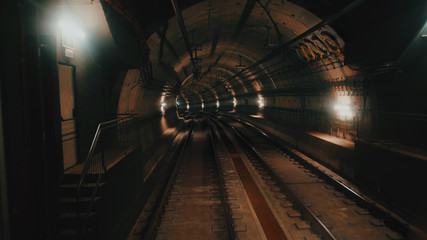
x=344 y=112
x=162 y=107
x=70 y=28
x=260 y=101
x=340 y=107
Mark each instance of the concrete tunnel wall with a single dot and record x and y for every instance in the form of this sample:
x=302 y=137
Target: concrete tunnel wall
x=139 y=101
x=302 y=97
x=106 y=83
x=383 y=89
x=105 y=78
x=304 y=94
x=32 y=48
x=106 y=88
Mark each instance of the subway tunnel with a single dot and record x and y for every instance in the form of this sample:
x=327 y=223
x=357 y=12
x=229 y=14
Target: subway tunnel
x=108 y=108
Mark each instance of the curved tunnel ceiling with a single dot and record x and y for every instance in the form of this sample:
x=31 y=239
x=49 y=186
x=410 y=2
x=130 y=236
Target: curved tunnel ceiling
x=228 y=34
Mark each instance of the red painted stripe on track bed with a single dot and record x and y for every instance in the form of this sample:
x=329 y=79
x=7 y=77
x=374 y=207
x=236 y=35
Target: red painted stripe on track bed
x=268 y=222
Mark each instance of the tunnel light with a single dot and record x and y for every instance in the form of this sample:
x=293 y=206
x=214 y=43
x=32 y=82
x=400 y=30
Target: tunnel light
x=70 y=28
x=344 y=112
x=340 y=107
x=217 y=104
x=260 y=102
x=162 y=107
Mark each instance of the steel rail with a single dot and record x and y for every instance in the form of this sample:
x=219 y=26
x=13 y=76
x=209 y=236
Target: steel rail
x=150 y=230
x=391 y=219
x=226 y=207
x=317 y=224
x=264 y=213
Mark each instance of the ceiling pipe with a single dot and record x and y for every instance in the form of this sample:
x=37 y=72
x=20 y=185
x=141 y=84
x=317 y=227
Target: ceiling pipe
x=280 y=50
x=182 y=27
x=250 y=4
x=267 y=11
x=162 y=36
x=325 y=22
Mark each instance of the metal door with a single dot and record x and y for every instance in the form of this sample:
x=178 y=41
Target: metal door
x=68 y=123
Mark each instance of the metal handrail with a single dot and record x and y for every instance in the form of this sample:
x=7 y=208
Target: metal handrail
x=100 y=170
x=89 y=158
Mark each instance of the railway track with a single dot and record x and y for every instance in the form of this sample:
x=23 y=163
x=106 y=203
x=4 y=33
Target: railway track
x=193 y=203
x=232 y=182
x=333 y=209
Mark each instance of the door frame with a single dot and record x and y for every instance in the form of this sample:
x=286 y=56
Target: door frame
x=75 y=111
